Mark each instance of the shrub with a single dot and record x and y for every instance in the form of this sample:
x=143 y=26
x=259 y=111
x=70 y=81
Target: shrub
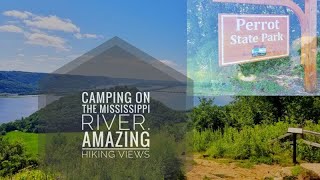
x=254 y=143
x=251 y=143
x=13 y=157
x=2 y=133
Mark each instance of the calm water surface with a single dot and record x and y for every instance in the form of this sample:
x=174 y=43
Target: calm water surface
x=12 y=108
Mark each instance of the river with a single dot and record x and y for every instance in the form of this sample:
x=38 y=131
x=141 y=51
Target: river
x=15 y=107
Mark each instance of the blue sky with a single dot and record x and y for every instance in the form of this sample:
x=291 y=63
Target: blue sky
x=41 y=36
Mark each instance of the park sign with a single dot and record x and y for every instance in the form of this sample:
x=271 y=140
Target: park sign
x=251 y=38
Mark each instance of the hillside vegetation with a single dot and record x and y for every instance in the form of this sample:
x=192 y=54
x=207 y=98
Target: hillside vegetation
x=16 y=82
x=63 y=115
x=14 y=157
x=62 y=151
x=29 y=140
x=247 y=128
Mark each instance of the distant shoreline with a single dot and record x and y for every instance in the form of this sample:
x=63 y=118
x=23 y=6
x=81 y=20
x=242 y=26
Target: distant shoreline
x=8 y=95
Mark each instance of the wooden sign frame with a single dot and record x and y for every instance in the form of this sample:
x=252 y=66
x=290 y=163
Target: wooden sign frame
x=221 y=38
x=308 y=23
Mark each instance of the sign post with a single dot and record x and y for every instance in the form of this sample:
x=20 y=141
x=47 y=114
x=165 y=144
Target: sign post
x=308 y=23
x=294 y=132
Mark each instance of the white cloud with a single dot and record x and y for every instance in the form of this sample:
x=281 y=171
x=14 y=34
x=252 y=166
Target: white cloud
x=88 y=36
x=11 y=28
x=52 y=23
x=41 y=30
x=41 y=56
x=46 y=40
x=36 y=30
x=13 y=22
x=31 y=65
x=18 y=14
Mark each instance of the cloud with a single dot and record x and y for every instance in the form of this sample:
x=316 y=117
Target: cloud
x=88 y=36
x=41 y=29
x=52 y=23
x=18 y=14
x=31 y=65
x=46 y=40
x=11 y=28
x=36 y=30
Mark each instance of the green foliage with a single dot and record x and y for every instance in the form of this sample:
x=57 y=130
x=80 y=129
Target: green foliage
x=249 y=124
x=63 y=114
x=13 y=157
x=29 y=124
x=243 y=129
x=200 y=140
x=63 y=157
x=263 y=85
x=30 y=175
x=29 y=140
x=251 y=143
x=296 y=170
x=265 y=67
x=207 y=116
x=251 y=110
x=306 y=152
x=203 y=54
x=255 y=144
x=15 y=82
x=248 y=111
x=61 y=153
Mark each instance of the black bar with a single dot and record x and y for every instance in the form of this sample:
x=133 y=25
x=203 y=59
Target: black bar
x=294 y=148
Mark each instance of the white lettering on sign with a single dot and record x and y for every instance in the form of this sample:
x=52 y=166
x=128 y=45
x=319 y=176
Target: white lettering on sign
x=257 y=25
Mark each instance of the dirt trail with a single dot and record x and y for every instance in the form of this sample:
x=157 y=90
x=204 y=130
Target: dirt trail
x=213 y=169
x=315 y=167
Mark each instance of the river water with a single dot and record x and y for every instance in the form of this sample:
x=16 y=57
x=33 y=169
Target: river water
x=15 y=107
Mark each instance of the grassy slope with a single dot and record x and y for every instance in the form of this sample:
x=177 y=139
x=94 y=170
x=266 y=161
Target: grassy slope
x=30 y=140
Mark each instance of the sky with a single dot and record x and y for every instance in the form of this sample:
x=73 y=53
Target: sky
x=41 y=36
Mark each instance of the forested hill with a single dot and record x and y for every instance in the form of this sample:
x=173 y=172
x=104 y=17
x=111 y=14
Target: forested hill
x=17 y=82
x=63 y=115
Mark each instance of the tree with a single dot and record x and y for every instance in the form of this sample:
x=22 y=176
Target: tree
x=251 y=110
x=13 y=157
x=207 y=116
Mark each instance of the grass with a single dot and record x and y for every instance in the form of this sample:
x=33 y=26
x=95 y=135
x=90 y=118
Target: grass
x=29 y=175
x=29 y=140
x=262 y=86
x=296 y=170
x=253 y=144
x=33 y=142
